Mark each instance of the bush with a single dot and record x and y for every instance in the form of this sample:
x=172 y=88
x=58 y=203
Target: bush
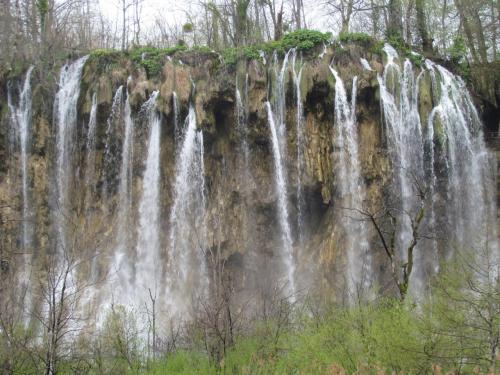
x=458 y=50
x=362 y=38
x=303 y=40
x=152 y=59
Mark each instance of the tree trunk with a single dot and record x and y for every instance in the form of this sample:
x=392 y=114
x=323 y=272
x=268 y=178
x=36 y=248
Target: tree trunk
x=422 y=27
x=444 y=11
x=407 y=23
x=375 y=14
x=124 y=23
x=467 y=28
x=278 y=30
x=478 y=28
x=241 y=21
x=395 y=22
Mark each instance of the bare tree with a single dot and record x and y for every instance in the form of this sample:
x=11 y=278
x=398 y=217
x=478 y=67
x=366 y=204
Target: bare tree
x=345 y=9
x=385 y=223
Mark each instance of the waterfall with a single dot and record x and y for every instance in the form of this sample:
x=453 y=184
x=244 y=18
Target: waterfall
x=91 y=153
x=470 y=197
x=366 y=64
x=112 y=141
x=120 y=263
x=399 y=102
x=351 y=188
x=300 y=144
x=449 y=161
x=241 y=126
x=280 y=103
x=177 y=129
x=21 y=125
x=148 y=243
x=65 y=116
x=281 y=191
x=186 y=271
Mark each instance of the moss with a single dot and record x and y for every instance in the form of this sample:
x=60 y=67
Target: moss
x=377 y=47
x=303 y=40
x=306 y=82
x=439 y=133
x=361 y=38
x=425 y=102
x=202 y=49
x=416 y=59
x=101 y=53
x=18 y=68
x=152 y=59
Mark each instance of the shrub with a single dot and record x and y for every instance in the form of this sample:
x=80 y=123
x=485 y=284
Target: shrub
x=355 y=37
x=303 y=40
x=458 y=50
x=152 y=59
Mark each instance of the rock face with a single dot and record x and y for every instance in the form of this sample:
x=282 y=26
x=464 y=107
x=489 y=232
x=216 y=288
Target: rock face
x=239 y=195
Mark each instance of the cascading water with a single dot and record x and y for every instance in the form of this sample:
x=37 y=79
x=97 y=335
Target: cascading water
x=279 y=103
x=177 y=128
x=455 y=125
x=399 y=102
x=241 y=125
x=120 y=266
x=114 y=120
x=65 y=115
x=454 y=152
x=351 y=188
x=186 y=272
x=91 y=153
x=21 y=119
x=301 y=204
x=281 y=191
x=148 y=243
x=277 y=127
x=21 y=125
x=365 y=64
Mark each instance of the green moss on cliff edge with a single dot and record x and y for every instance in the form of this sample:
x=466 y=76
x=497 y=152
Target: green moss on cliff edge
x=303 y=40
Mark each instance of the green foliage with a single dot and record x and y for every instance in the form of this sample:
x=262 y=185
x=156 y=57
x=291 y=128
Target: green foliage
x=152 y=59
x=43 y=6
x=104 y=56
x=183 y=363
x=230 y=56
x=202 y=49
x=362 y=38
x=18 y=68
x=458 y=50
x=104 y=52
x=187 y=28
x=303 y=40
x=416 y=59
x=458 y=56
x=397 y=42
x=462 y=315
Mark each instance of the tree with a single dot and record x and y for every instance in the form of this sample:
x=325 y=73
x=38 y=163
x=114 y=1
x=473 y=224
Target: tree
x=462 y=315
x=422 y=26
x=395 y=22
x=385 y=223
x=345 y=8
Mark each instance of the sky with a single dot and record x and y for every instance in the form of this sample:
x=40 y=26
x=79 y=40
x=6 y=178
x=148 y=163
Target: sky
x=173 y=11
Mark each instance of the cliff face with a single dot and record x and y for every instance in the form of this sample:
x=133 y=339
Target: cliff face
x=240 y=193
